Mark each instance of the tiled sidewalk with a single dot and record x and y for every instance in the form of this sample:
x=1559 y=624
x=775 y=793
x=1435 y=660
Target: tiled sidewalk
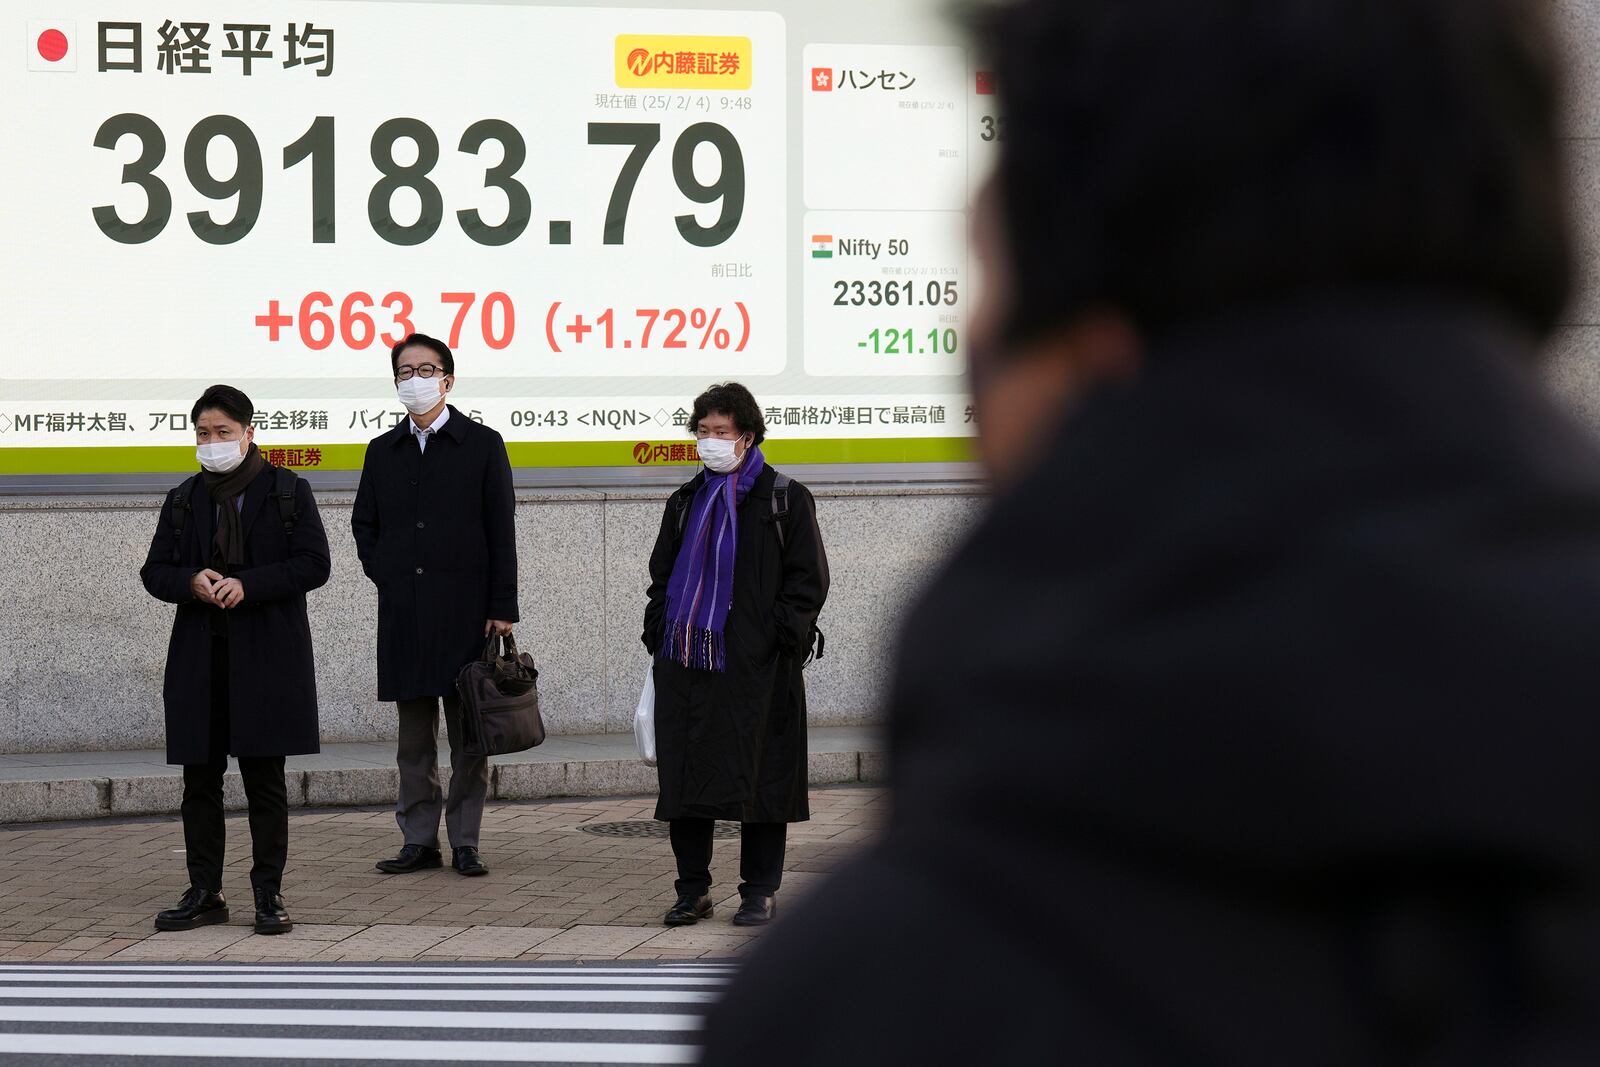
x=88 y=891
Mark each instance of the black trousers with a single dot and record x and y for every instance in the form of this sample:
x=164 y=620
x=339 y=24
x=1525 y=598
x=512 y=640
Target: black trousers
x=266 y=795
x=761 y=847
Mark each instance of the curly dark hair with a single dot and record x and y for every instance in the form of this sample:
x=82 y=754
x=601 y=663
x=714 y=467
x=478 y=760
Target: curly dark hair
x=736 y=402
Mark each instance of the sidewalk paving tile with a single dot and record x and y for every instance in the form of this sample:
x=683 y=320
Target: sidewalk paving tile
x=493 y=942
x=609 y=941
x=89 y=890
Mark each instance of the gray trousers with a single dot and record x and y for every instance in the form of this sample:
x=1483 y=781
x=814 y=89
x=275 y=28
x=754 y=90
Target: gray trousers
x=417 y=810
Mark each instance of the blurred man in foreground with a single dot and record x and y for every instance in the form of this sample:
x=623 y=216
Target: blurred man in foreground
x=1256 y=723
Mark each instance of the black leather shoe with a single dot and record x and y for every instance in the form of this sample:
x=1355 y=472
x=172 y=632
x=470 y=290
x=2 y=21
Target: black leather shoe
x=412 y=858
x=689 y=910
x=757 y=909
x=467 y=861
x=271 y=916
x=199 y=907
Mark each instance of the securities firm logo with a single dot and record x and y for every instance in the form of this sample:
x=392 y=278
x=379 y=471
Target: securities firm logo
x=674 y=61
x=647 y=453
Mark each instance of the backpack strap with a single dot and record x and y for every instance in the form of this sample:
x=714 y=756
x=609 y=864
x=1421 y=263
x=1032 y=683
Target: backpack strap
x=680 y=500
x=680 y=515
x=283 y=491
x=780 y=505
x=780 y=512
x=179 y=507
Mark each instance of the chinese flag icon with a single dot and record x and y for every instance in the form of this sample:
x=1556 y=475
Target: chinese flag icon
x=52 y=44
x=822 y=79
x=986 y=81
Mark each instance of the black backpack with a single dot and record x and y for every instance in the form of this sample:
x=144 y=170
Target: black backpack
x=283 y=491
x=780 y=512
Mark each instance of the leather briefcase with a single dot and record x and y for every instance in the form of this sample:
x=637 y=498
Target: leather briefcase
x=500 y=701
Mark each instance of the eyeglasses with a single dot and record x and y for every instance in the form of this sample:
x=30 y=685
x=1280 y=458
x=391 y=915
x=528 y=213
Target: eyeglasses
x=422 y=370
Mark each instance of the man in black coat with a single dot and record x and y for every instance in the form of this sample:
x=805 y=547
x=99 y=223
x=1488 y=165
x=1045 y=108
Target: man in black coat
x=434 y=527
x=1255 y=723
x=737 y=578
x=236 y=547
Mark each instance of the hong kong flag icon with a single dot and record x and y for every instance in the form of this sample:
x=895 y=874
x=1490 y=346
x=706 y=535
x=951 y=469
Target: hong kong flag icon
x=52 y=44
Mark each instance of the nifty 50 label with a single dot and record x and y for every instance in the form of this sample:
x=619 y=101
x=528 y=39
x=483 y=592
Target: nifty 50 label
x=885 y=292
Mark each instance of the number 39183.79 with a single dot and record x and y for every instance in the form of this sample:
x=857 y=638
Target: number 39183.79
x=317 y=145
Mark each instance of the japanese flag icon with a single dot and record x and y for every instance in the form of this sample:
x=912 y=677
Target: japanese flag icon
x=52 y=44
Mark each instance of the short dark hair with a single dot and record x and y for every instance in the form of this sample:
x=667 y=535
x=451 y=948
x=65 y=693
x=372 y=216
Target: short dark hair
x=1168 y=158
x=736 y=402
x=440 y=350
x=226 y=399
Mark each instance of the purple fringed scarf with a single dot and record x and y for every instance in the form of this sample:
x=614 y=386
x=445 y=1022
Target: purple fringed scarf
x=700 y=591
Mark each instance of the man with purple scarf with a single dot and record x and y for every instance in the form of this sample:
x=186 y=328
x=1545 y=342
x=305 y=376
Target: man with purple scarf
x=737 y=578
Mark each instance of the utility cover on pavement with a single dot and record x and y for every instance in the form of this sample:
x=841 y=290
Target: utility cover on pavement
x=648 y=828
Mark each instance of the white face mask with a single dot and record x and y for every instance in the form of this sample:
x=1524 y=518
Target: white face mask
x=420 y=395
x=219 y=457
x=717 y=453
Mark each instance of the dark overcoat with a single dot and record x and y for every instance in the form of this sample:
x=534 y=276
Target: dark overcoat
x=1256 y=726
x=732 y=744
x=272 y=682
x=435 y=531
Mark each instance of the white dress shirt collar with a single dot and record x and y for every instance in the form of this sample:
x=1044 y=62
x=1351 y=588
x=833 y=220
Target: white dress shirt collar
x=422 y=434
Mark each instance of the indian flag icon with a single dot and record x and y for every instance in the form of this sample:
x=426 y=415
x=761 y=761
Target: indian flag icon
x=822 y=246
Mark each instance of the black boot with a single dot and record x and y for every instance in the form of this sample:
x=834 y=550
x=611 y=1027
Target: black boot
x=689 y=910
x=271 y=916
x=199 y=907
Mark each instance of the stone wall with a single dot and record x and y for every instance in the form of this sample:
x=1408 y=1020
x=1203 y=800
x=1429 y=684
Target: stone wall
x=82 y=645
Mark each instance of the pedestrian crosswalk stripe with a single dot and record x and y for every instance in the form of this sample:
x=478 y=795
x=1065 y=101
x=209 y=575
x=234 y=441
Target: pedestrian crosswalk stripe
x=462 y=978
x=179 y=991
x=352 y=968
x=124 y=1014
x=291 y=1048
x=460 y=1020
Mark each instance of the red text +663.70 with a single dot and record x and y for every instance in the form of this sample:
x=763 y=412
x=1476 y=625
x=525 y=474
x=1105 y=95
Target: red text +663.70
x=358 y=320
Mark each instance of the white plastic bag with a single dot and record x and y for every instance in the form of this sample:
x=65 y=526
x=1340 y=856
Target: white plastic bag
x=644 y=719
